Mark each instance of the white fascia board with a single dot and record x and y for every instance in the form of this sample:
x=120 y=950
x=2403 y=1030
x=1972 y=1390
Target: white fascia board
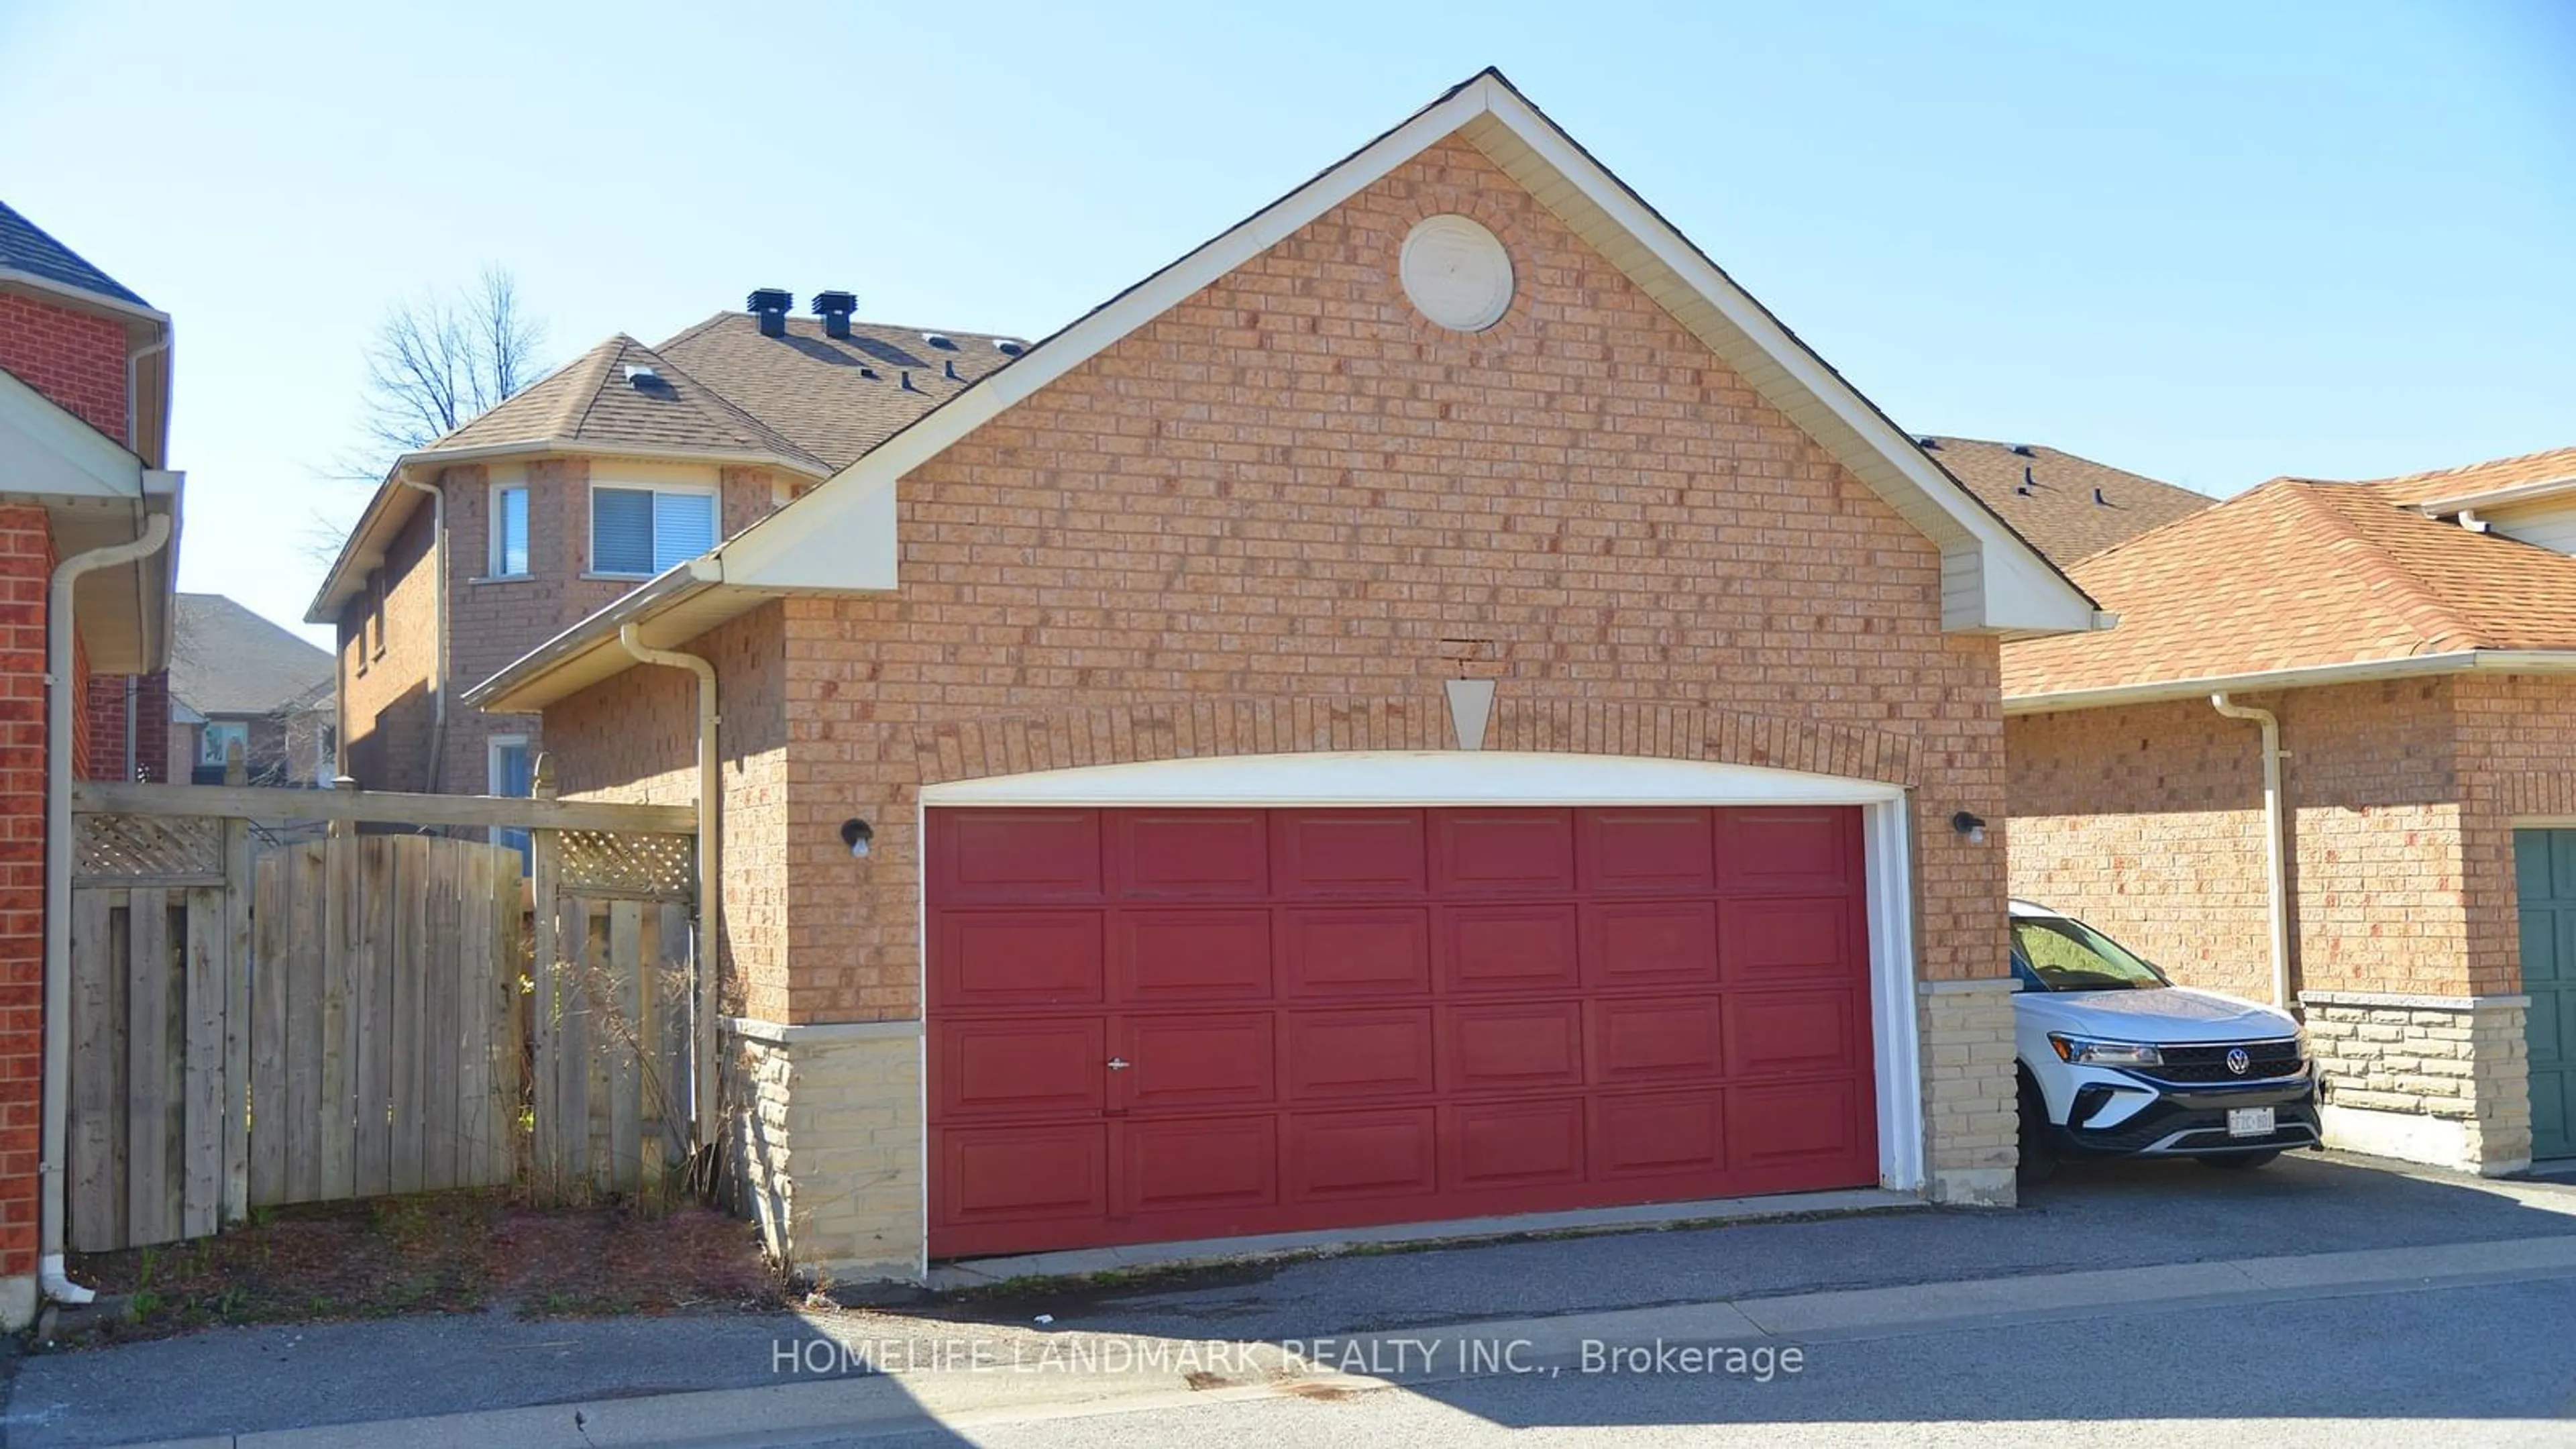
x=47 y=452
x=2495 y=498
x=848 y=501
x=2494 y=661
x=2022 y=592
x=1413 y=777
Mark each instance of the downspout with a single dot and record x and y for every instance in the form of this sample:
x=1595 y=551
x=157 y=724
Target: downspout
x=702 y=1080
x=2275 y=846
x=438 y=615
x=60 y=644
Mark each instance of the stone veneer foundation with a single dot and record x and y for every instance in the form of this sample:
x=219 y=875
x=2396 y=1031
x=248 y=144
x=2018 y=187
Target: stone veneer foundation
x=830 y=1139
x=2443 y=1080
x=1971 y=1127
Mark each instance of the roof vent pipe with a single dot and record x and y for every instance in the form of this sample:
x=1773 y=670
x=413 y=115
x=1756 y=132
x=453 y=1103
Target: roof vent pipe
x=2099 y=499
x=835 y=309
x=770 y=305
x=2029 y=486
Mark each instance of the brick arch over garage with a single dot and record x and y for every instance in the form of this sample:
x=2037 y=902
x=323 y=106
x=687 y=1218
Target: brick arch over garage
x=1144 y=733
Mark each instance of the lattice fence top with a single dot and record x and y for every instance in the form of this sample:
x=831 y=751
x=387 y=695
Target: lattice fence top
x=147 y=845
x=662 y=867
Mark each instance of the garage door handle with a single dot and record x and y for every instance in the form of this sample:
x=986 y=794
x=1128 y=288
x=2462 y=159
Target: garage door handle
x=1119 y=1064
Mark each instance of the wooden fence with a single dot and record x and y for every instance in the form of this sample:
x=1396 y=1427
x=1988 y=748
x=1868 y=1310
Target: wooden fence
x=355 y=1016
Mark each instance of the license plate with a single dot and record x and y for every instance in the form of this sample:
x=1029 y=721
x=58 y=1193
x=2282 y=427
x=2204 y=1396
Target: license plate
x=2249 y=1122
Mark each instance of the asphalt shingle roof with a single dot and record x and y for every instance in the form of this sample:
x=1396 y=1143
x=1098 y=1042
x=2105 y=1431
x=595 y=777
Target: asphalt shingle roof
x=836 y=399
x=2297 y=574
x=29 y=248
x=592 y=399
x=224 y=659
x=2548 y=466
x=2059 y=513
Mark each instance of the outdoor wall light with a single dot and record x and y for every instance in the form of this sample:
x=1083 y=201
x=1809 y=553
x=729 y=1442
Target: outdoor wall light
x=1971 y=826
x=857 y=836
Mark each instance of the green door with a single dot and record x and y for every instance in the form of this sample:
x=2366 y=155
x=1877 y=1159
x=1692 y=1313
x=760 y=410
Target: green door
x=2545 y=867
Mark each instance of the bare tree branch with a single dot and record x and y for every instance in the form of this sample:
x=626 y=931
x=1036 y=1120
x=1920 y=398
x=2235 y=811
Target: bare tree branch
x=440 y=361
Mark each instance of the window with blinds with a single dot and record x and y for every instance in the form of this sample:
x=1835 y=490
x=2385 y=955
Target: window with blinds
x=646 y=530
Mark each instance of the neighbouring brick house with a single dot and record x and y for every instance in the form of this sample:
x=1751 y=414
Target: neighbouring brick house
x=525 y=520
x=236 y=678
x=1434 y=703
x=84 y=392
x=2414 y=642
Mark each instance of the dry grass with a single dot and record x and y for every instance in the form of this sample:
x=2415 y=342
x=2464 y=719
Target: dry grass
x=460 y=1252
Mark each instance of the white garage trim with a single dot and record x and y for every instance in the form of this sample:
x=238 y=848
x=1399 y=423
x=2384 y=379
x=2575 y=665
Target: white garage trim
x=1391 y=778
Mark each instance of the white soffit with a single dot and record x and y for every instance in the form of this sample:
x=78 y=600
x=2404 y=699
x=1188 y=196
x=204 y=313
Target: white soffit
x=1992 y=580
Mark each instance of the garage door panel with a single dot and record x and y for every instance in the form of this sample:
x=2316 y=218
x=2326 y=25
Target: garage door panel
x=1510 y=948
x=1014 y=856
x=1015 y=959
x=1794 y=1033
x=1182 y=1063
x=1488 y=1146
x=1021 y=1066
x=1339 y=1055
x=995 y=1174
x=1511 y=1047
x=1639 y=1040
x=1650 y=943
x=1181 y=955
x=1788 y=942
x=1198 y=1164
x=1344 y=951
x=1190 y=854
x=1664 y=1134
x=1348 y=852
x=1788 y=849
x=1502 y=852
x=1337 y=1155
x=1647 y=851
x=1810 y=1124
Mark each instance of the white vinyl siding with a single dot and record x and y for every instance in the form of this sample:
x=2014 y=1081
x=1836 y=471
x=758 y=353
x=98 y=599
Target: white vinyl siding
x=643 y=531
x=509 y=533
x=2551 y=526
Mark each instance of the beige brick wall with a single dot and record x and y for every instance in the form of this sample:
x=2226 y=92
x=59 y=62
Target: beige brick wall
x=829 y=1133
x=2517 y=765
x=2147 y=821
x=1971 y=1121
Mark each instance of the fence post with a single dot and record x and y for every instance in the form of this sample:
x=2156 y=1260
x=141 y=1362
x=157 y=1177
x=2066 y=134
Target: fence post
x=544 y=875
x=239 y=886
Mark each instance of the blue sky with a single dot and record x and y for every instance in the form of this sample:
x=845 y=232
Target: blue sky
x=2211 y=243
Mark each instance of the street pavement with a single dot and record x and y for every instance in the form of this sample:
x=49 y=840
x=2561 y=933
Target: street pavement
x=2159 y=1218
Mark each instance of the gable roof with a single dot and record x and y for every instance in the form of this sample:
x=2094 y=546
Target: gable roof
x=841 y=536
x=2448 y=489
x=2296 y=577
x=224 y=659
x=29 y=249
x=2068 y=507
x=622 y=394
x=836 y=398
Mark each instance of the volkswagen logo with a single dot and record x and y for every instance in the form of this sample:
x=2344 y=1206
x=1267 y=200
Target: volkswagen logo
x=2238 y=1062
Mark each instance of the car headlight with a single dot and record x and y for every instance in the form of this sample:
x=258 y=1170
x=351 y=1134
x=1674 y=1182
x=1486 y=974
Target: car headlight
x=2086 y=1052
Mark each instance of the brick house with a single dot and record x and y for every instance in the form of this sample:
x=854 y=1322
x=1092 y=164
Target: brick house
x=84 y=397
x=478 y=547
x=2404 y=652
x=1434 y=703
x=236 y=678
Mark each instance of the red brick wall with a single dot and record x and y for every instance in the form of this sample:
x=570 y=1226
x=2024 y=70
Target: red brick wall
x=106 y=722
x=1250 y=525
x=75 y=358
x=2517 y=765
x=26 y=561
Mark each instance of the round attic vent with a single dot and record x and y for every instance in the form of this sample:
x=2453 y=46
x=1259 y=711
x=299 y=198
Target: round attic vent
x=1457 y=273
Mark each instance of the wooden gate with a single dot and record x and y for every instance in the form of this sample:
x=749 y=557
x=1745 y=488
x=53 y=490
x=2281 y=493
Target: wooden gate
x=348 y=1016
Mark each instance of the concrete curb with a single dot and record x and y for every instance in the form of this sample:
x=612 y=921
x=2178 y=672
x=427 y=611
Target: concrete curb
x=886 y=1402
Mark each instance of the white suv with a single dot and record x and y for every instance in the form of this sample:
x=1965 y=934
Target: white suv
x=2116 y=1061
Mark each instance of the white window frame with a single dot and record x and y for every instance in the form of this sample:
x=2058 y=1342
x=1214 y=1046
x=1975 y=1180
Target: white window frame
x=213 y=730
x=495 y=560
x=712 y=492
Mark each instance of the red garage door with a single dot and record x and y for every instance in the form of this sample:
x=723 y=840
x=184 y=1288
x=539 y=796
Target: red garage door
x=1173 y=1023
